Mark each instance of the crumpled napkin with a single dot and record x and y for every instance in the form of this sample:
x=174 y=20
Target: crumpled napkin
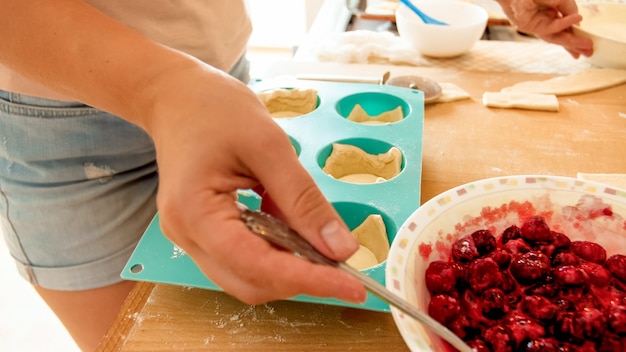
x=365 y=46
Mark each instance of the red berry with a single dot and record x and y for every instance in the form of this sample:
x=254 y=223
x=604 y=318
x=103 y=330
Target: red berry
x=478 y=345
x=589 y=251
x=440 y=277
x=464 y=250
x=616 y=264
x=536 y=229
x=591 y=322
x=565 y=258
x=616 y=319
x=510 y=233
x=484 y=241
x=539 y=307
x=500 y=338
x=444 y=308
x=541 y=345
x=530 y=267
x=524 y=328
x=517 y=246
x=570 y=275
x=484 y=273
x=494 y=303
x=598 y=275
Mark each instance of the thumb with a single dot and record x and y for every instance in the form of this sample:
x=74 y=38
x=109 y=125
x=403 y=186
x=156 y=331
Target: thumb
x=292 y=195
x=315 y=219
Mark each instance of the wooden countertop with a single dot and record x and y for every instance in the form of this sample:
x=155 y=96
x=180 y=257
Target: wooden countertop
x=463 y=141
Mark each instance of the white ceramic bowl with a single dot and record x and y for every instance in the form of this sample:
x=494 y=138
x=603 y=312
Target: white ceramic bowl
x=428 y=233
x=605 y=24
x=467 y=23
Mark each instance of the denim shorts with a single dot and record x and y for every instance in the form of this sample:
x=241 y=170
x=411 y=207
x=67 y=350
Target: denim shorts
x=77 y=189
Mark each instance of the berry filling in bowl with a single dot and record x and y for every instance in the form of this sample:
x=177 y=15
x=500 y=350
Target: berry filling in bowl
x=521 y=263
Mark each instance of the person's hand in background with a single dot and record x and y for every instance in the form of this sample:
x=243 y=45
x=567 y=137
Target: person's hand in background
x=550 y=20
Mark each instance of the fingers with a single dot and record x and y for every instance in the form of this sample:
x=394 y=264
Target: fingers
x=575 y=45
x=291 y=193
x=250 y=269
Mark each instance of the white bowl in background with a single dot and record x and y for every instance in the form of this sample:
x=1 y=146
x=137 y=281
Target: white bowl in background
x=605 y=24
x=467 y=23
x=494 y=203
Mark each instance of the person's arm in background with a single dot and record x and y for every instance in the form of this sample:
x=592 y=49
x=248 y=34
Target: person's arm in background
x=212 y=136
x=550 y=20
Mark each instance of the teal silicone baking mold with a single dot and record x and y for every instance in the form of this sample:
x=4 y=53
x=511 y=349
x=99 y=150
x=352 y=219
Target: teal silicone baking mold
x=156 y=259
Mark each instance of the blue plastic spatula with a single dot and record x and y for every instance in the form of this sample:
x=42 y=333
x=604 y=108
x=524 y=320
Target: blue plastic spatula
x=427 y=19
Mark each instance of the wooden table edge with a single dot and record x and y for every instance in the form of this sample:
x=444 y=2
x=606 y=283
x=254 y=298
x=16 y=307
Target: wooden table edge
x=115 y=338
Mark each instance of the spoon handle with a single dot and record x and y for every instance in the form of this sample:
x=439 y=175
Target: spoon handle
x=421 y=14
x=383 y=293
x=278 y=233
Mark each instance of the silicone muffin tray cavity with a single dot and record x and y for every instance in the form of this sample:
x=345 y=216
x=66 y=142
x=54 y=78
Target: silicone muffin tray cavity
x=156 y=259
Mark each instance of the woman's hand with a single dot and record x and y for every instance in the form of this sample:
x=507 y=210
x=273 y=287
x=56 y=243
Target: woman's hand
x=213 y=136
x=550 y=20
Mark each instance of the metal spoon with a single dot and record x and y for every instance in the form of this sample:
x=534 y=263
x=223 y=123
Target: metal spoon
x=278 y=233
x=431 y=89
x=427 y=19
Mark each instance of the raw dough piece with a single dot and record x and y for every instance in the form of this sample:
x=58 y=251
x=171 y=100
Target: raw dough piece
x=289 y=102
x=451 y=92
x=615 y=180
x=521 y=100
x=373 y=235
x=358 y=114
x=576 y=83
x=348 y=159
x=362 y=259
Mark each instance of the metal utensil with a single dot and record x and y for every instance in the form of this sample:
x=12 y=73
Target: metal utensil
x=278 y=233
x=427 y=19
x=431 y=89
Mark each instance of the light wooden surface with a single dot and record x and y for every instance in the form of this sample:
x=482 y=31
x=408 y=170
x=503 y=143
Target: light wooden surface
x=463 y=141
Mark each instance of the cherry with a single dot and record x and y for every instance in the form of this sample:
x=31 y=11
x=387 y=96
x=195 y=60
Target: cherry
x=443 y=308
x=589 y=251
x=616 y=265
x=494 y=303
x=524 y=328
x=539 y=307
x=530 y=267
x=536 y=229
x=565 y=258
x=510 y=233
x=483 y=273
x=464 y=250
x=541 y=345
x=484 y=241
x=500 y=338
x=441 y=277
x=533 y=289
x=517 y=246
x=478 y=345
x=570 y=275
x=616 y=319
x=501 y=257
x=598 y=275
x=591 y=322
